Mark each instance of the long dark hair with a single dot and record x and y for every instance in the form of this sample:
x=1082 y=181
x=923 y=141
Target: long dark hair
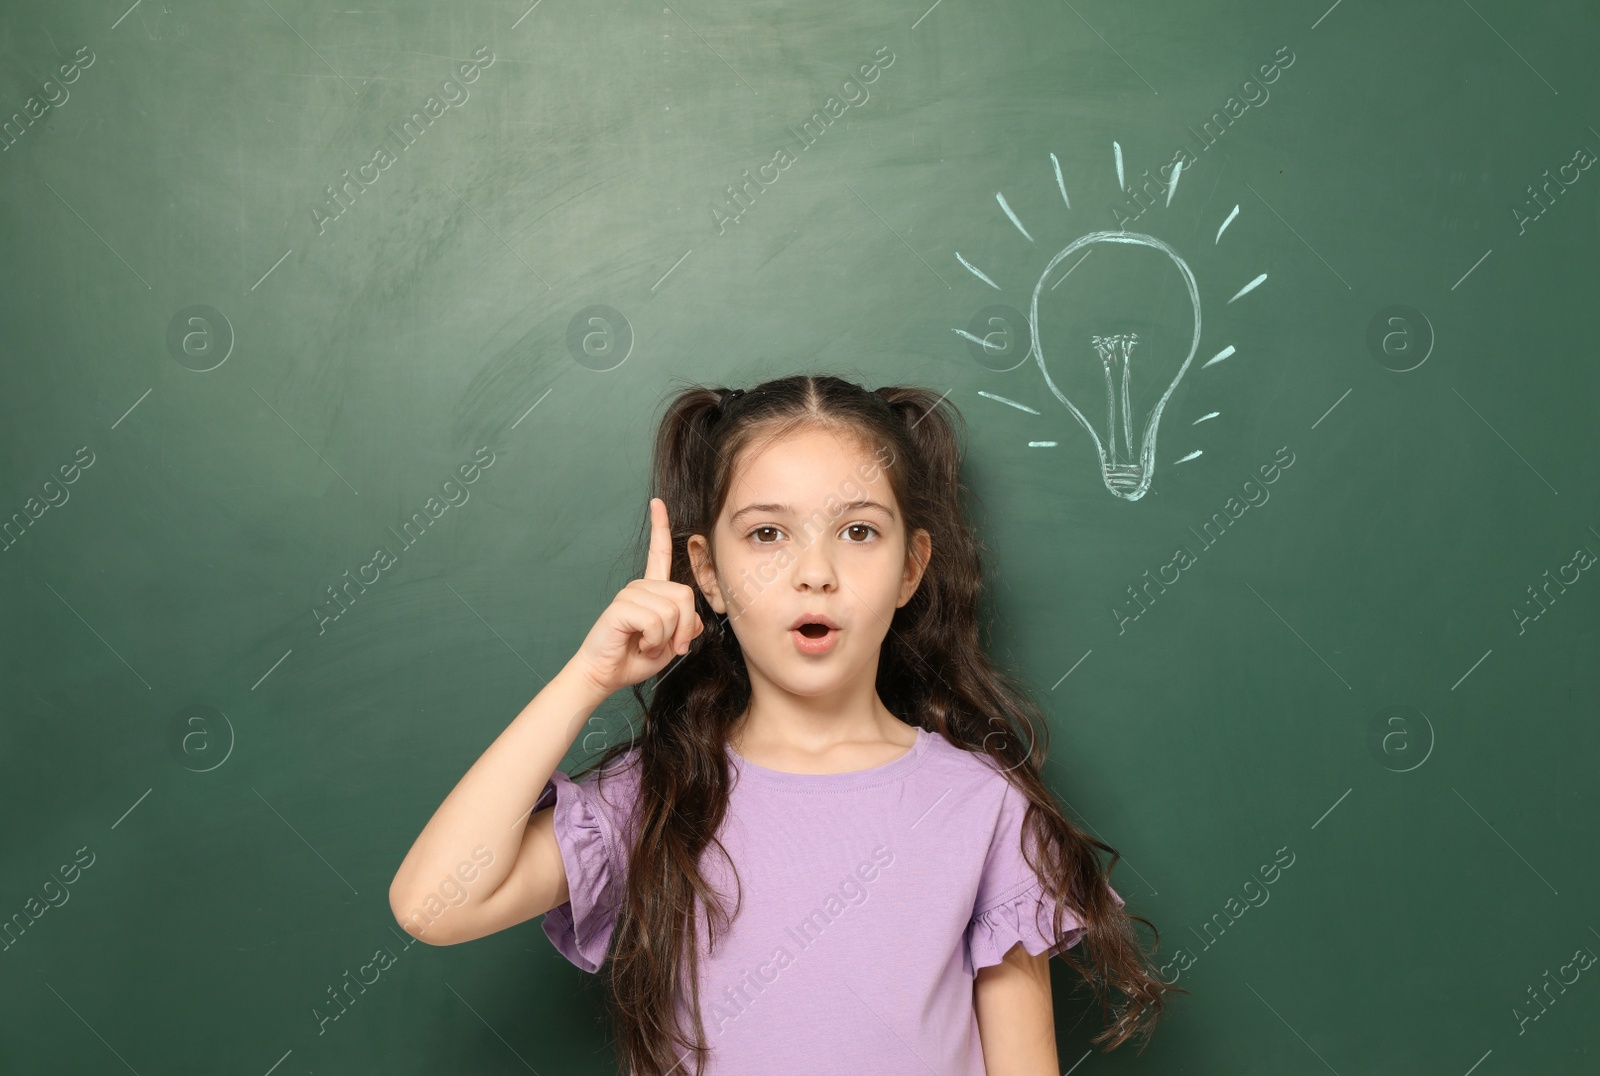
x=932 y=672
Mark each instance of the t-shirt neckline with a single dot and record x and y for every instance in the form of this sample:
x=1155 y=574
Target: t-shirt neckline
x=812 y=782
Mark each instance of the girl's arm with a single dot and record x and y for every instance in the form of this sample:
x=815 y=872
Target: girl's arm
x=482 y=864
x=1016 y=1021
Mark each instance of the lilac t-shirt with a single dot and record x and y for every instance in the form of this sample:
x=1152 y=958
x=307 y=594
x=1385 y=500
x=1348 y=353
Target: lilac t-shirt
x=870 y=899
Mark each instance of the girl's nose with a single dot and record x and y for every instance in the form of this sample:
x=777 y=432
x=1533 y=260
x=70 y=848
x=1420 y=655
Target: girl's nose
x=814 y=565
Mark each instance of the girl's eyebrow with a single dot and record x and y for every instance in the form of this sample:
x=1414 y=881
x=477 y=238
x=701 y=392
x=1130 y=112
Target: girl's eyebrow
x=784 y=509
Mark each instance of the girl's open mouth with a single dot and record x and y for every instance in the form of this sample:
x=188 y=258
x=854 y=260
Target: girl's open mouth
x=814 y=638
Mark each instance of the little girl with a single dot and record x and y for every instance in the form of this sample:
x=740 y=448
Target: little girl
x=823 y=715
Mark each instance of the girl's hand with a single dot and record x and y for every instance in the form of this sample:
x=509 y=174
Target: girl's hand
x=648 y=623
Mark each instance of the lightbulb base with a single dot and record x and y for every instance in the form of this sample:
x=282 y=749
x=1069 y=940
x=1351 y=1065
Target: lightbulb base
x=1124 y=477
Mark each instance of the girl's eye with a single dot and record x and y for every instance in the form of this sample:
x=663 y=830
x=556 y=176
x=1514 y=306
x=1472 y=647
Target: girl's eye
x=854 y=527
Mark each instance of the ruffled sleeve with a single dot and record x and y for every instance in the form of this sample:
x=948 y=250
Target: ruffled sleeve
x=1023 y=918
x=1012 y=905
x=586 y=832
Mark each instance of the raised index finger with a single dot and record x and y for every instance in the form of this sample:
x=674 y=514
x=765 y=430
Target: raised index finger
x=659 y=563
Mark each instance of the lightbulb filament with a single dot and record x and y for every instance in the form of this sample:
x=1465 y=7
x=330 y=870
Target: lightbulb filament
x=1115 y=349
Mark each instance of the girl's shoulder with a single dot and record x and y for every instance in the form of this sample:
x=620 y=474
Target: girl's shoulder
x=617 y=780
x=604 y=788
x=949 y=759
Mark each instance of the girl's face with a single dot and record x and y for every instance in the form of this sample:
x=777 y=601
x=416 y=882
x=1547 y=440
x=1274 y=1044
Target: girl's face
x=810 y=530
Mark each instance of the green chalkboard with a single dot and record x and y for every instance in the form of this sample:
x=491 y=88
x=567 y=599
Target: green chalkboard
x=297 y=296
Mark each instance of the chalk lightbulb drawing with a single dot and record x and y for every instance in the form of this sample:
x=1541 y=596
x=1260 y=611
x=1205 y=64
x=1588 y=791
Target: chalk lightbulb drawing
x=1126 y=469
x=1127 y=451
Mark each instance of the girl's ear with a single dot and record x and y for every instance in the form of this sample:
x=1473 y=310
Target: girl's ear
x=917 y=557
x=704 y=573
